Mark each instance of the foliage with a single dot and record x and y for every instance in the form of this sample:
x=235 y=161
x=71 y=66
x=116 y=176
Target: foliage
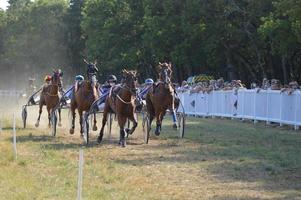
x=236 y=39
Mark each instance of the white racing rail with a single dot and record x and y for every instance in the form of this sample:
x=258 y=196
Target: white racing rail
x=11 y=93
x=265 y=105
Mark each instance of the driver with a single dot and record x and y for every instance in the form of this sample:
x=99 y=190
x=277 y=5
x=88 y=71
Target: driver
x=78 y=80
x=111 y=81
x=47 y=79
x=147 y=85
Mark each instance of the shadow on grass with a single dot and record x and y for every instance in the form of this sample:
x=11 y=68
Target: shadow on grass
x=245 y=197
x=81 y=144
x=232 y=151
x=33 y=138
x=62 y=146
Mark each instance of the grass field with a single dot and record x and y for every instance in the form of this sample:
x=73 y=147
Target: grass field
x=218 y=159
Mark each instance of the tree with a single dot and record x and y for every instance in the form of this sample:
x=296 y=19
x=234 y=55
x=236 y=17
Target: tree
x=74 y=39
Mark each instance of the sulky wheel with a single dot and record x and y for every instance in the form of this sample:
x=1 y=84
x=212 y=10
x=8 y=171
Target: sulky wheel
x=24 y=116
x=146 y=128
x=181 y=124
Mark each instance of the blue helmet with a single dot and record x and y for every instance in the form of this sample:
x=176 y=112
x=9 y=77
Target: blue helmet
x=79 y=78
x=149 y=81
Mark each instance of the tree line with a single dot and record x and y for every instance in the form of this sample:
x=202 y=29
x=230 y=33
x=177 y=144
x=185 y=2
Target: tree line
x=234 y=39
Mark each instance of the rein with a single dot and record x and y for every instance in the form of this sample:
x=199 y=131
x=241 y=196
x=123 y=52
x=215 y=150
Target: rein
x=123 y=101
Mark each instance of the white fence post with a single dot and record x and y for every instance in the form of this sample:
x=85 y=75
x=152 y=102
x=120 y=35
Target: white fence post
x=255 y=120
x=232 y=102
x=80 y=174
x=243 y=105
x=195 y=103
x=223 y=96
x=206 y=105
x=268 y=109
x=213 y=107
x=14 y=137
x=281 y=101
x=296 y=126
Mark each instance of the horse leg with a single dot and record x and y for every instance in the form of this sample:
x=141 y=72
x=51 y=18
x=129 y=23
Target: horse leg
x=60 y=118
x=133 y=118
x=71 y=131
x=80 y=113
x=158 y=123
x=121 y=122
x=40 y=112
x=151 y=118
x=161 y=118
x=104 y=121
x=95 y=122
x=49 y=117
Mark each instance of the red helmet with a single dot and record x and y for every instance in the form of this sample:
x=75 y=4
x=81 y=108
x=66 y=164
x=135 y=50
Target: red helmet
x=47 y=78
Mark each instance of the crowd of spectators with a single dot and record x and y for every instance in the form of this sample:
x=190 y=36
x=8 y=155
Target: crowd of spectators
x=220 y=84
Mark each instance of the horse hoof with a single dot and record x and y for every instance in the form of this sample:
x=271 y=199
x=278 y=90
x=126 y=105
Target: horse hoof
x=157 y=133
x=128 y=131
x=60 y=124
x=175 y=126
x=49 y=125
x=99 y=139
x=123 y=143
x=71 y=131
x=94 y=128
x=37 y=125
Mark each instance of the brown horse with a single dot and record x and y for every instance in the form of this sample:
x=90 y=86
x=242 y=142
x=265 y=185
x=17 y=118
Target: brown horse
x=82 y=100
x=50 y=96
x=121 y=100
x=162 y=97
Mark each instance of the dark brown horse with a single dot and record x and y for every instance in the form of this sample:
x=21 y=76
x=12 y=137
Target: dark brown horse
x=50 y=96
x=82 y=100
x=121 y=100
x=162 y=97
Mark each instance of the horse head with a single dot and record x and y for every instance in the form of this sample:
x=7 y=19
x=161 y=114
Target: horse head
x=91 y=65
x=165 y=72
x=130 y=80
x=56 y=78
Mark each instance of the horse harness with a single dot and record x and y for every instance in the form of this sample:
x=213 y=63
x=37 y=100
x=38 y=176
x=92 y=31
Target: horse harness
x=46 y=90
x=114 y=92
x=155 y=87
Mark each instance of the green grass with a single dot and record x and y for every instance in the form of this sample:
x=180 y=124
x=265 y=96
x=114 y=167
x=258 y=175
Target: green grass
x=218 y=159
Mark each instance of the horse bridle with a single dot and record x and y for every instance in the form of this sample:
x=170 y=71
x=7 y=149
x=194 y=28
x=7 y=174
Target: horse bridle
x=165 y=76
x=58 y=85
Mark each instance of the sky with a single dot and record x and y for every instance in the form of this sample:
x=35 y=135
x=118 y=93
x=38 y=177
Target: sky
x=3 y=4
